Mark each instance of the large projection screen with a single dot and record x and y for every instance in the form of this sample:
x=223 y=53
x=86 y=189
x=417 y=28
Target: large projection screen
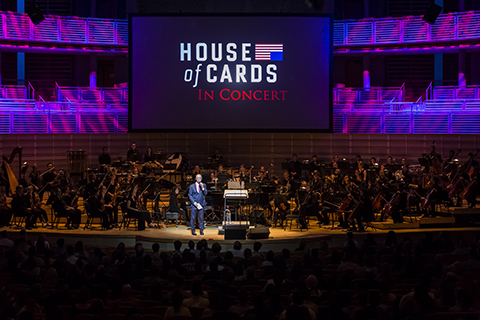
x=230 y=73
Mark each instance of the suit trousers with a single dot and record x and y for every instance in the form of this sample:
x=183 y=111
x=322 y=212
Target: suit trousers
x=194 y=214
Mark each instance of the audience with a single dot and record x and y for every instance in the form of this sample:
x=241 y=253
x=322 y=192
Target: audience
x=398 y=279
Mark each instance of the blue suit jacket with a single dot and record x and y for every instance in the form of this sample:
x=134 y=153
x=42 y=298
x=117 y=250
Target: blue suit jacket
x=198 y=197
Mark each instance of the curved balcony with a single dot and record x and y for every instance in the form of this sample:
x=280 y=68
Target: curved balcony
x=92 y=34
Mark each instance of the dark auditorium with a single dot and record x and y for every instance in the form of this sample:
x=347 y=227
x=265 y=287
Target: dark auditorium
x=240 y=160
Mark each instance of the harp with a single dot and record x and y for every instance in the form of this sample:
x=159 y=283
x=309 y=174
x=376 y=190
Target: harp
x=6 y=164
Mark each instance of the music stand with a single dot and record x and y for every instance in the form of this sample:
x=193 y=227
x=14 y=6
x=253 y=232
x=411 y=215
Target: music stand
x=160 y=156
x=425 y=162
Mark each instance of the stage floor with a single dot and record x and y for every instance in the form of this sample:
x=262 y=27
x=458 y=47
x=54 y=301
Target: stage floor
x=455 y=220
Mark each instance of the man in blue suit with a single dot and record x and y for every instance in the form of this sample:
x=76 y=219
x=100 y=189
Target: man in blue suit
x=197 y=193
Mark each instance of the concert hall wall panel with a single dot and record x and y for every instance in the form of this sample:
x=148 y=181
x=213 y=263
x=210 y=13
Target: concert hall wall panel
x=258 y=149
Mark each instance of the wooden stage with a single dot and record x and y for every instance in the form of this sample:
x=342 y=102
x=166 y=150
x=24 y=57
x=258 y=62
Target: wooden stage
x=278 y=238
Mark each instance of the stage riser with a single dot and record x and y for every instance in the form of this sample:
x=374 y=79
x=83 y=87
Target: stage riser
x=237 y=148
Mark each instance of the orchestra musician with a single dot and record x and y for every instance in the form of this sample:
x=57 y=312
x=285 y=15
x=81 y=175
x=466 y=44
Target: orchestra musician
x=21 y=207
x=48 y=178
x=196 y=193
x=104 y=159
x=295 y=168
x=313 y=165
x=133 y=156
x=148 y=156
x=65 y=180
x=36 y=206
x=327 y=201
x=216 y=157
x=135 y=209
x=5 y=212
x=362 y=211
x=308 y=206
x=360 y=173
x=34 y=177
x=280 y=205
x=98 y=207
x=73 y=215
x=173 y=202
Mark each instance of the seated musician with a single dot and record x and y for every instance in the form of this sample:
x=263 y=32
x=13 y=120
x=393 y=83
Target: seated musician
x=98 y=208
x=134 y=209
x=36 y=206
x=261 y=177
x=360 y=173
x=91 y=186
x=361 y=212
x=48 y=179
x=148 y=156
x=435 y=195
x=326 y=204
x=65 y=180
x=222 y=175
x=5 y=212
x=34 y=177
x=335 y=160
x=173 y=203
x=133 y=156
x=313 y=165
x=21 y=207
x=316 y=182
x=73 y=215
x=104 y=159
x=281 y=206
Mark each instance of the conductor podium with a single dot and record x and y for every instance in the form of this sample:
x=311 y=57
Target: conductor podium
x=237 y=230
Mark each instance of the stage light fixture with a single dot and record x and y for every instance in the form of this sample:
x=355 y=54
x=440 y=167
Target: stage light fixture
x=432 y=13
x=35 y=13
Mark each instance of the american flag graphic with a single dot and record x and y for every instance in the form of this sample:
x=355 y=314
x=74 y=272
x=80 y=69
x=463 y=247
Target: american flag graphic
x=269 y=51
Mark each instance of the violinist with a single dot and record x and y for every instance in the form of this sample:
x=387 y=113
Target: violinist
x=73 y=215
x=360 y=173
x=91 y=186
x=48 y=178
x=21 y=207
x=280 y=205
x=65 y=180
x=134 y=210
x=34 y=177
x=36 y=207
x=316 y=183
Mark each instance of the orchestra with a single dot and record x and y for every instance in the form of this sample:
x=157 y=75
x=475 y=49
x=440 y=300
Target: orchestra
x=352 y=193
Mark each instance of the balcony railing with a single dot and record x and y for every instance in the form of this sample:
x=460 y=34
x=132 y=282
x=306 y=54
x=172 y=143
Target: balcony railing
x=383 y=31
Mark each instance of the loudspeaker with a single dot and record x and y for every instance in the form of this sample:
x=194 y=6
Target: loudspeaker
x=258 y=233
x=34 y=13
x=432 y=13
x=235 y=234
